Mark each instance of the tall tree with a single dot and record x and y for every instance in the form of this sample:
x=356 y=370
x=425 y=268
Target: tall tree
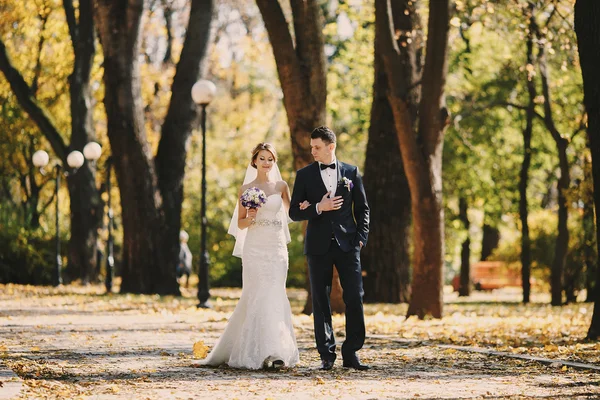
x=177 y=127
x=526 y=163
x=587 y=28
x=387 y=260
x=86 y=211
x=150 y=194
x=301 y=66
x=421 y=145
x=564 y=180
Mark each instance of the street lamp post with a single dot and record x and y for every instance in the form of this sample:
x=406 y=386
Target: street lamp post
x=74 y=160
x=58 y=263
x=203 y=92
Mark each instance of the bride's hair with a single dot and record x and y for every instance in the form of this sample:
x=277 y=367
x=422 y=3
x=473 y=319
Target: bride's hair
x=262 y=146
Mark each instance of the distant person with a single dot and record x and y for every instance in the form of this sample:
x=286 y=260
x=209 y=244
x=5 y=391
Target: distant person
x=184 y=267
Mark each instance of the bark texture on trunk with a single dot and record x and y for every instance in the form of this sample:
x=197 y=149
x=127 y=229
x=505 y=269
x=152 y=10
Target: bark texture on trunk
x=144 y=269
x=587 y=28
x=386 y=261
x=590 y=256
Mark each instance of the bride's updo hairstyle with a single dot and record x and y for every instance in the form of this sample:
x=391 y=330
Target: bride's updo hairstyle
x=262 y=146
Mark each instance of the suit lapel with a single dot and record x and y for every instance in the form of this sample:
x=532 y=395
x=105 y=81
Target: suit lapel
x=339 y=177
x=319 y=178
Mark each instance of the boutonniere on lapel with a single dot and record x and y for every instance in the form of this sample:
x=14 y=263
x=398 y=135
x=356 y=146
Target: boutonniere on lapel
x=348 y=184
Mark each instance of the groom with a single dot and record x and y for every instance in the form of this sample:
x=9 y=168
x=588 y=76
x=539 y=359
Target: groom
x=338 y=227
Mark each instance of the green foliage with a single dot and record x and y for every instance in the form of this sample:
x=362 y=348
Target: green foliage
x=543 y=241
x=483 y=148
x=26 y=256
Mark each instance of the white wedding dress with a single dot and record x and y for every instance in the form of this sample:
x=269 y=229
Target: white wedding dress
x=260 y=329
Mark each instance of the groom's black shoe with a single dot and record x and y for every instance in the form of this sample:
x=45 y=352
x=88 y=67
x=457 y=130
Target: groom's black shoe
x=327 y=365
x=354 y=362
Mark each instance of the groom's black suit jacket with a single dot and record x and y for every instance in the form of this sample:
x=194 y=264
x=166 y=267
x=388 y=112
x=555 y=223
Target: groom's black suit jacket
x=349 y=224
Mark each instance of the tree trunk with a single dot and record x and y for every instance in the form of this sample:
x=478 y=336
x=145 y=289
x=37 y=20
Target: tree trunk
x=490 y=241
x=178 y=125
x=562 y=239
x=86 y=205
x=524 y=173
x=301 y=69
x=386 y=261
x=302 y=74
x=589 y=237
x=464 y=288
x=421 y=152
x=587 y=28
x=144 y=269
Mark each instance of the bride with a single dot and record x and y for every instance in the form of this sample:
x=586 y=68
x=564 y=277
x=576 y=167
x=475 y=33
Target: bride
x=260 y=333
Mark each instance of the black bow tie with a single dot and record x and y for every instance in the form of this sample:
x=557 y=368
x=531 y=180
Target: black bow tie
x=325 y=166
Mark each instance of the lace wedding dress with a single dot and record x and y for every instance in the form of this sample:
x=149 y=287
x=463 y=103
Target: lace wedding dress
x=260 y=329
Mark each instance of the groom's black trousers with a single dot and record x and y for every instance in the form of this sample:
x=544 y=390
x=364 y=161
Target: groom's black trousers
x=321 y=273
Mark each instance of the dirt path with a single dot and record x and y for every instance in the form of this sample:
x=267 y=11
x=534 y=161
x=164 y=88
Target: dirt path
x=85 y=345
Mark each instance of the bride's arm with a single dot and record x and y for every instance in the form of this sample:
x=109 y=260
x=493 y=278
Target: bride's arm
x=285 y=195
x=245 y=217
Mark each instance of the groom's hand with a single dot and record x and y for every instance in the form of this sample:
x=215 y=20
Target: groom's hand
x=329 y=204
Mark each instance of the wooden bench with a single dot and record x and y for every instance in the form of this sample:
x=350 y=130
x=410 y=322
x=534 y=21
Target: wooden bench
x=490 y=275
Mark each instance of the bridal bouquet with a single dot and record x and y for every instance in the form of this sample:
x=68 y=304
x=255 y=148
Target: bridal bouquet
x=253 y=198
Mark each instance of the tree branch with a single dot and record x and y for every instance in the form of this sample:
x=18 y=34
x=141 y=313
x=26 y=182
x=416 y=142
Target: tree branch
x=168 y=15
x=71 y=21
x=431 y=124
x=30 y=104
x=43 y=16
x=288 y=66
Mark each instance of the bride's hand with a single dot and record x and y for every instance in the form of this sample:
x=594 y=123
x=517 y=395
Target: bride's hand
x=304 y=205
x=251 y=214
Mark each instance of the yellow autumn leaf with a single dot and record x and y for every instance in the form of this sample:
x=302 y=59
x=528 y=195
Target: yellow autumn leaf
x=564 y=368
x=200 y=349
x=550 y=347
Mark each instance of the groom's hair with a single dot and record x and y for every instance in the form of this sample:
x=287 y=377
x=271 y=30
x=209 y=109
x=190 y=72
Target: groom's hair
x=323 y=133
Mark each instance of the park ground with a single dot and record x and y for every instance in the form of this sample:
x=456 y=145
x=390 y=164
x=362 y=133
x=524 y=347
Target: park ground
x=76 y=342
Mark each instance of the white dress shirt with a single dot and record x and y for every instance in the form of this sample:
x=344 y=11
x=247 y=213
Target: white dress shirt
x=329 y=176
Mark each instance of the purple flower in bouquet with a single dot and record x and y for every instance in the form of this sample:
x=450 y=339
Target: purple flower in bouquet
x=253 y=198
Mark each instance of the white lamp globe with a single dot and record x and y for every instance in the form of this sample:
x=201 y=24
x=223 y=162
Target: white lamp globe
x=203 y=92
x=92 y=151
x=75 y=159
x=40 y=158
